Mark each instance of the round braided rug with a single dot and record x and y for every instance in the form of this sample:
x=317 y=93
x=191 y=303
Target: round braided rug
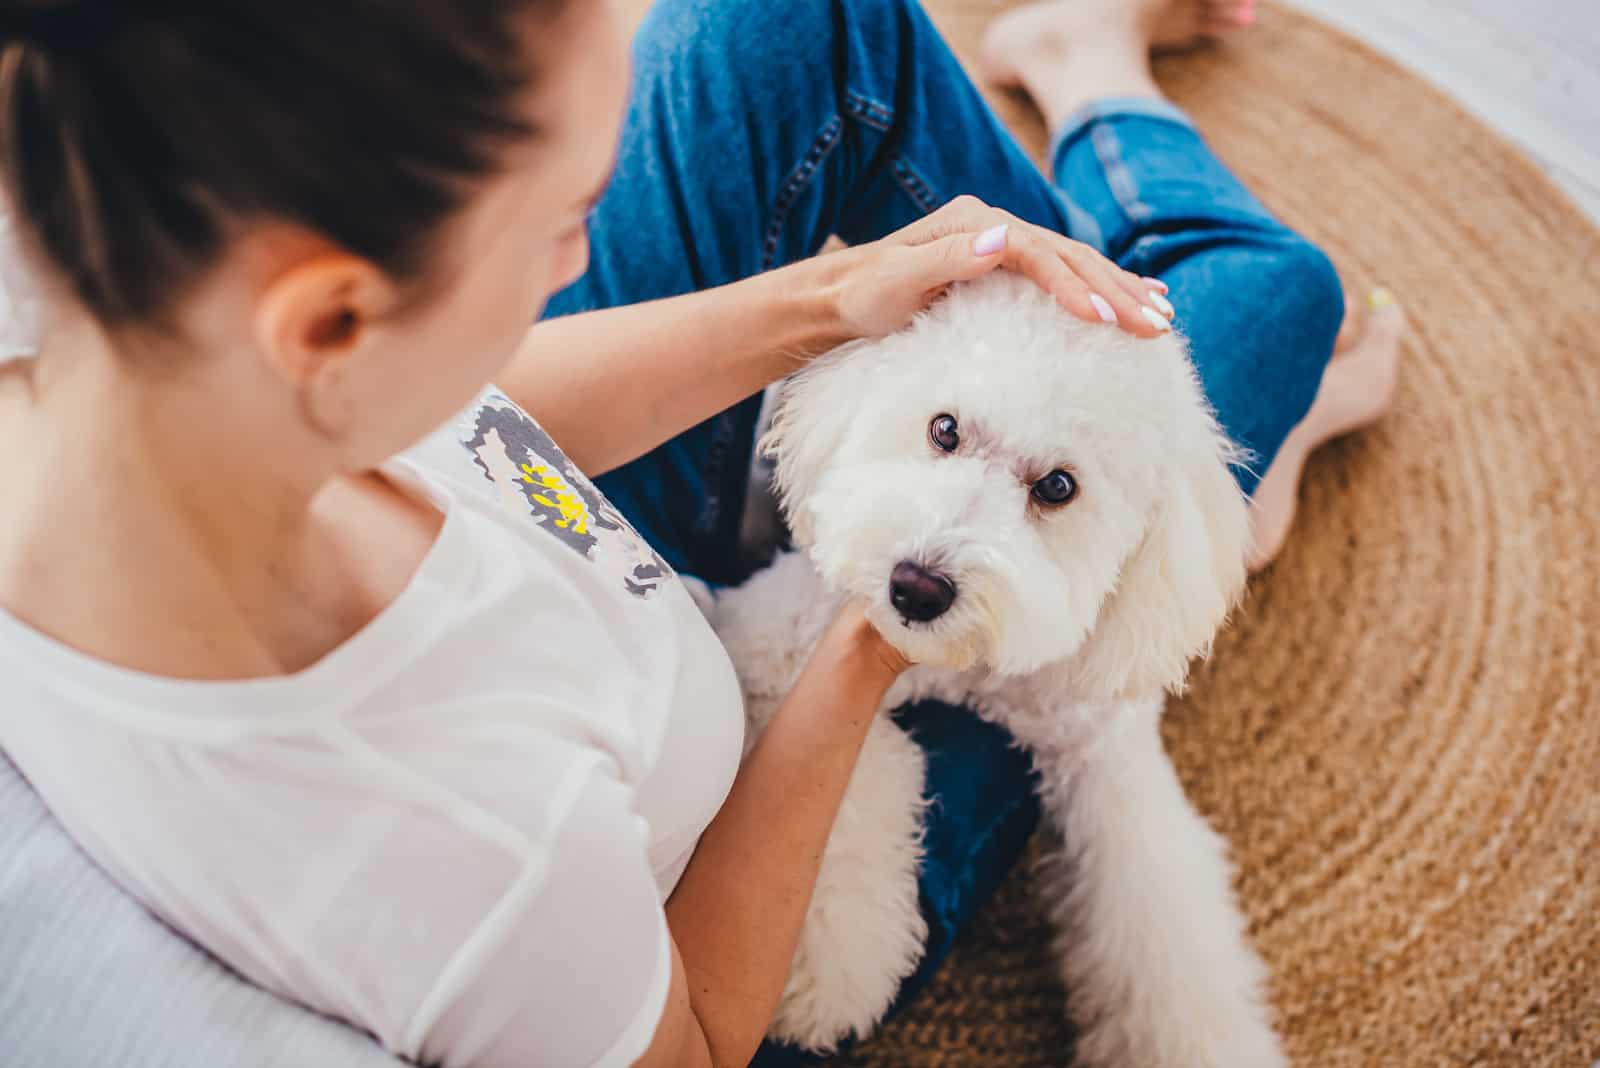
x=1400 y=734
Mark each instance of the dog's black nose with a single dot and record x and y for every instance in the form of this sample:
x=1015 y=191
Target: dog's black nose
x=919 y=594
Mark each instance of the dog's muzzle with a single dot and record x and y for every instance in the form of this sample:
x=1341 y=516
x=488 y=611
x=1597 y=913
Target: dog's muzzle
x=920 y=595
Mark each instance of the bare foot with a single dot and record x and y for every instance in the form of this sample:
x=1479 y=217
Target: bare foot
x=1357 y=390
x=1027 y=46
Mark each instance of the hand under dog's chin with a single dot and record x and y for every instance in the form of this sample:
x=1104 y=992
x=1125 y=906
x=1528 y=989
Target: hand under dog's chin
x=931 y=645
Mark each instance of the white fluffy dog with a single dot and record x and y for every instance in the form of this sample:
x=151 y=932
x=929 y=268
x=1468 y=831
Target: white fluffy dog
x=1040 y=513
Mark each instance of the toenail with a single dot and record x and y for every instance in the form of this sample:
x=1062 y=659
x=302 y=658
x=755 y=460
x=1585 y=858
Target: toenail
x=1156 y=319
x=1103 y=308
x=1162 y=304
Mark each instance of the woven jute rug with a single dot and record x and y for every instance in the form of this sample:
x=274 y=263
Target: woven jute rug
x=1400 y=734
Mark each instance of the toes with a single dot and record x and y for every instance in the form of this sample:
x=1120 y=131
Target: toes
x=1387 y=315
x=1383 y=325
x=1359 y=387
x=1228 y=15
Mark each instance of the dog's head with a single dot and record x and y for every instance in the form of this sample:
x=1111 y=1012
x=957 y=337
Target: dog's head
x=1006 y=486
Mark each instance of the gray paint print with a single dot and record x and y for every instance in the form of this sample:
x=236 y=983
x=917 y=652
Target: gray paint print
x=560 y=498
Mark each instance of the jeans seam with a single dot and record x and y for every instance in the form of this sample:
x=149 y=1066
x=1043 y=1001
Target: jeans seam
x=1108 y=150
x=821 y=145
x=922 y=194
x=877 y=115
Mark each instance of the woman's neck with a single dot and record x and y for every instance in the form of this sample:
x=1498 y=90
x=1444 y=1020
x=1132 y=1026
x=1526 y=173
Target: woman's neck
x=137 y=498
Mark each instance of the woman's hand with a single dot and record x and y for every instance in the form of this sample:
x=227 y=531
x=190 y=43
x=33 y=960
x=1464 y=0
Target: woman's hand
x=658 y=368
x=878 y=287
x=852 y=636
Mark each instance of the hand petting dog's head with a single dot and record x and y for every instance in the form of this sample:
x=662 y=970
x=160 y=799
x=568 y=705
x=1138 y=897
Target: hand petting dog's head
x=1009 y=487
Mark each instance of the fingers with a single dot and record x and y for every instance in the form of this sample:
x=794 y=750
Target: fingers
x=1055 y=276
x=1140 y=304
x=962 y=256
x=966 y=238
x=1086 y=283
x=1127 y=296
x=964 y=214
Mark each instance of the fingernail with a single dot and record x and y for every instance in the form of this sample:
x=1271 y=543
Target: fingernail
x=1157 y=284
x=990 y=241
x=1380 y=298
x=1162 y=304
x=1103 y=308
x=1156 y=319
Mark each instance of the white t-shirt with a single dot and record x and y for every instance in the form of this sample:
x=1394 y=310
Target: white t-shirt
x=456 y=830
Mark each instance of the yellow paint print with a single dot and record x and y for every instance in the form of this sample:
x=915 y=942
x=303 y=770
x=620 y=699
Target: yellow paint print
x=574 y=513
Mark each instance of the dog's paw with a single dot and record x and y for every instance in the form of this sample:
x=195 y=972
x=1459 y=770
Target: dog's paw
x=1244 y=1042
x=864 y=932
x=1236 y=1038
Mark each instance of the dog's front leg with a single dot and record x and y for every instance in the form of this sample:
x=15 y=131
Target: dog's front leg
x=1152 y=942
x=864 y=932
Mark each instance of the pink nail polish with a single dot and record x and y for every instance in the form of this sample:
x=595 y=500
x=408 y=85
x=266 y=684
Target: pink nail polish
x=1157 y=284
x=1103 y=308
x=990 y=241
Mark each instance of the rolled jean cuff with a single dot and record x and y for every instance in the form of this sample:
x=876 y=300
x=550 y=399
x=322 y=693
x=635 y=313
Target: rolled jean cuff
x=1111 y=107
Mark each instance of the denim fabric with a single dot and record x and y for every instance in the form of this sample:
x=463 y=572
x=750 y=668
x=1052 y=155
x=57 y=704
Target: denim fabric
x=1259 y=304
x=758 y=129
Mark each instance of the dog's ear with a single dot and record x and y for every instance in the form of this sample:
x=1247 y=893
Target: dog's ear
x=1178 y=586
x=813 y=411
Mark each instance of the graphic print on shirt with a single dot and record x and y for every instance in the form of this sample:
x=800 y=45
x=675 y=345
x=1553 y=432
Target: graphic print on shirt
x=532 y=473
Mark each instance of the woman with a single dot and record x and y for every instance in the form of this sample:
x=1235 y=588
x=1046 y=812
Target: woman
x=326 y=652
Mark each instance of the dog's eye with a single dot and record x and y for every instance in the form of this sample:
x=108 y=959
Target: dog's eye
x=942 y=432
x=1056 y=488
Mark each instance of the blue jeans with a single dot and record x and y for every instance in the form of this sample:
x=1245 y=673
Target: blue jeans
x=758 y=129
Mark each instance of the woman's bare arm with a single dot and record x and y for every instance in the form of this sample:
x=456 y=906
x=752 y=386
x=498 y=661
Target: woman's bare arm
x=736 y=914
x=611 y=385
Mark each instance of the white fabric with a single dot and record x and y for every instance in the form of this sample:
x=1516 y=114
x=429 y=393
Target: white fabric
x=457 y=830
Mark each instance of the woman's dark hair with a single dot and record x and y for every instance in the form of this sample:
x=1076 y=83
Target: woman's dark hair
x=135 y=132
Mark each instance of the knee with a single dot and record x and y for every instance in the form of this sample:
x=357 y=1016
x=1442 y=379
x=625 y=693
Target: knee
x=1304 y=292
x=727 y=49
x=1273 y=306
x=1299 y=307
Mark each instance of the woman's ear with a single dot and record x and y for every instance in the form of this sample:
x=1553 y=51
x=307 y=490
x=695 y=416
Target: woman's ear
x=311 y=319
x=1179 y=585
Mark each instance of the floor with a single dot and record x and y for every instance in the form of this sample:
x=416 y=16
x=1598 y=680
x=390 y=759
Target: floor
x=1530 y=68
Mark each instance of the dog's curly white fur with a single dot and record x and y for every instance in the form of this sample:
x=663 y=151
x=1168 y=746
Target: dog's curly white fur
x=1066 y=623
